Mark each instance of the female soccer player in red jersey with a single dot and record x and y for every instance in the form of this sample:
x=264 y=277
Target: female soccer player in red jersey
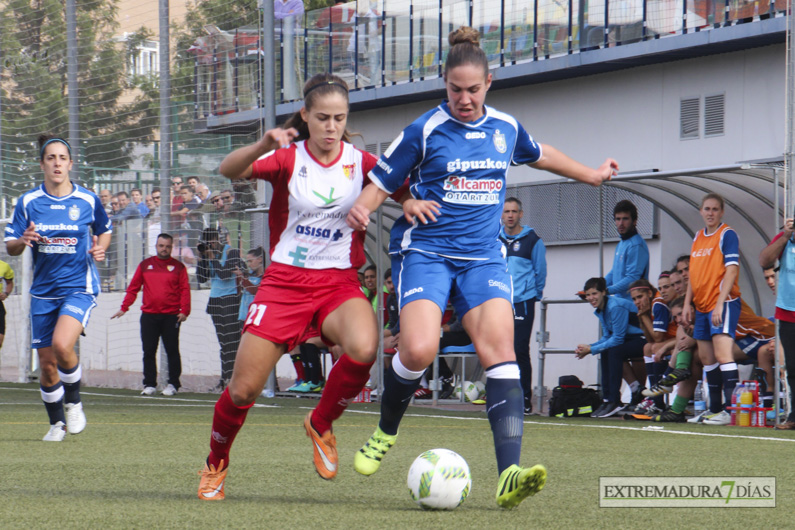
x=316 y=176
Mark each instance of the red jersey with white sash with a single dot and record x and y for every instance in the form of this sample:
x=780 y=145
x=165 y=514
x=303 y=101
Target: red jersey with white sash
x=310 y=203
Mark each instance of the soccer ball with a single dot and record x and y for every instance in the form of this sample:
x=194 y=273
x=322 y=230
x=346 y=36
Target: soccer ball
x=471 y=391
x=481 y=389
x=439 y=479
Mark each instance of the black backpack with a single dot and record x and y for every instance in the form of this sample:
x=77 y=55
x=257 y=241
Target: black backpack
x=569 y=398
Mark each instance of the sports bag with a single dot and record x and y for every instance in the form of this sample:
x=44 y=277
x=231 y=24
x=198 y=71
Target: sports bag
x=570 y=398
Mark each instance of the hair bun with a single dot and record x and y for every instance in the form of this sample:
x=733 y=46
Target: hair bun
x=464 y=34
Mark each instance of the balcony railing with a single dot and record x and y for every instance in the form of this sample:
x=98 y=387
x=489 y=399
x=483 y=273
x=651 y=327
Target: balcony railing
x=372 y=44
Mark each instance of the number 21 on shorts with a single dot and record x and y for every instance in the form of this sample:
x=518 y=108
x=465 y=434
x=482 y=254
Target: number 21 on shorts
x=255 y=312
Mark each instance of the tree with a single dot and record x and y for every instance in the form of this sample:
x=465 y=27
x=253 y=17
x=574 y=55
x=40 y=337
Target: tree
x=33 y=84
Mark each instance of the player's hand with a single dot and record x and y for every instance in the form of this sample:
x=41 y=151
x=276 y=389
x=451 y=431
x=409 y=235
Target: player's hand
x=789 y=227
x=30 y=236
x=658 y=355
x=182 y=317
x=96 y=250
x=278 y=137
x=717 y=316
x=606 y=171
x=358 y=217
x=422 y=210
x=119 y=313
x=685 y=343
x=3 y=296
x=582 y=350
x=644 y=307
x=687 y=314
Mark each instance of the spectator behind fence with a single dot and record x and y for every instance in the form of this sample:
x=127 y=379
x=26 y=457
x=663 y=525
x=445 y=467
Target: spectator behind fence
x=189 y=210
x=7 y=275
x=202 y=192
x=137 y=199
x=622 y=339
x=105 y=197
x=715 y=293
x=631 y=261
x=527 y=265
x=166 y=305
x=782 y=248
x=217 y=265
x=127 y=210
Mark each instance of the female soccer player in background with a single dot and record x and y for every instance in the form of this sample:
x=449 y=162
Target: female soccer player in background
x=312 y=278
x=457 y=155
x=714 y=291
x=66 y=227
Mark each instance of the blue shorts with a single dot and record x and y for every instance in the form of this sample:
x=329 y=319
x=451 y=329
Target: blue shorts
x=44 y=314
x=466 y=283
x=703 y=328
x=750 y=345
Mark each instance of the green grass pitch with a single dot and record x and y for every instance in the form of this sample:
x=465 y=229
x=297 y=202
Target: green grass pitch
x=136 y=464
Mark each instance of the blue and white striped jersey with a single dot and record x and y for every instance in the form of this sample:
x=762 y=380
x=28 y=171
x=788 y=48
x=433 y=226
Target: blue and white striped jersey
x=61 y=262
x=463 y=167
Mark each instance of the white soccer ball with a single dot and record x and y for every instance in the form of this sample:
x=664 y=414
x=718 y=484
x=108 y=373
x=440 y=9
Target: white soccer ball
x=439 y=479
x=481 y=389
x=471 y=391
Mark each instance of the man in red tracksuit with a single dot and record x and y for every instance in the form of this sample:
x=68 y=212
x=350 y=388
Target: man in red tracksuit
x=166 y=305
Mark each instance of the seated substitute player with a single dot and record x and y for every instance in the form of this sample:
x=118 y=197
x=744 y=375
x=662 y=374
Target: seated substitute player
x=621 y=339
x=67 y=229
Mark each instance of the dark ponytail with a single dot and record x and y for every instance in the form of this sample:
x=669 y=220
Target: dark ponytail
x=465 y=49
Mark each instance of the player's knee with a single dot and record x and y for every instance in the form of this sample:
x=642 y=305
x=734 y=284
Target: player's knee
x=242 y=395
x=363 y=351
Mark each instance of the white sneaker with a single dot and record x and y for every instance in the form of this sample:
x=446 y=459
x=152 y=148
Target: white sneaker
x=169 y=390
x=700 y=417
x=721 y=418
x=149 y=391
x=75 y=417
x=56 y=433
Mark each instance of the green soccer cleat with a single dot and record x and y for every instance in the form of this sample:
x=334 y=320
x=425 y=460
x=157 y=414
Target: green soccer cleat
x=516 y=484
x=368 y=458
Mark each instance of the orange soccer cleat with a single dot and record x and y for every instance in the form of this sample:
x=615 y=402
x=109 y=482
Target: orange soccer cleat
x=325 y=450
x=211 y=486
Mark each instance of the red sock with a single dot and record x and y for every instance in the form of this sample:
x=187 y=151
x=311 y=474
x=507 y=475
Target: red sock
x=345 y=381
x=227 y=421
x=299 y=368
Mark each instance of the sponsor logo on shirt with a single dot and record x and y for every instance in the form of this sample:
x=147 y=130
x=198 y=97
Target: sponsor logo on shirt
x=475 y=135
x=57 y=245
x=323 y=233
x=460 y=190
x=702 y=252
x=59 y=226
x=57 y=207
x=386 y=167
x=466 y=165
x=303 y=172
x=74 y=309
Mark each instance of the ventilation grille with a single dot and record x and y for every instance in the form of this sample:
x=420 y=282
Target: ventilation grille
x=372 y=149
x=689 y=110
x=714 y=115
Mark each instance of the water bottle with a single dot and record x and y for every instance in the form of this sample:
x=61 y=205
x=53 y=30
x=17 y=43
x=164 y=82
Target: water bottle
x=735 y=403
x=699 y=405
x=746 y=402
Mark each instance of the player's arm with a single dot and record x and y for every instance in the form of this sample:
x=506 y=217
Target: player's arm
x=100 y=244
x=729 y=277
x=367 y=202
x=769 y=254
x=558 y=163
x=14 y=247
x=8 y=290
x=237 y=164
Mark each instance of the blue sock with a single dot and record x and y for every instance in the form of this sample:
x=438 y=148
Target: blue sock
x=71 y=383
x=53 y=402
x=730 y=377
x=651 y=374
x=714 y=381
x=399 y=386
x=504 y=406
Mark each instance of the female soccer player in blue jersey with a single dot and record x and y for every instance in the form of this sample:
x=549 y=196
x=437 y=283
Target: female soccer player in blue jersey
x=456 y=157
x=66 y=227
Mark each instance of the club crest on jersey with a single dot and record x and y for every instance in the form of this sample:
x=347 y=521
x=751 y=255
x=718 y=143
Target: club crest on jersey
x=170 y=268
x=348 y=170
x=516 y=246
x=499 y=141
x=74 y=212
